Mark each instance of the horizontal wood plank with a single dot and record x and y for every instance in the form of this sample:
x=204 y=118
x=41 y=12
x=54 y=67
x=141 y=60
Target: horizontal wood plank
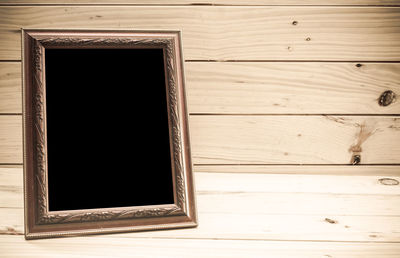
x=10 y=139
x=265 y=206
x=268 y=139
x=202 y=2
x=11 y=187
x=106 y=246
x=259 y=226
x=10 y=88
x=291 y=88
x=317 y=184
x=265 y=88
x=346 y=195
x=383 y=171
x=294 y=139
x=230 y=33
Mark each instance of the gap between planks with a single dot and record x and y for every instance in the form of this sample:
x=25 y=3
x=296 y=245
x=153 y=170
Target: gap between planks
x=195 y=5
x=260 y=61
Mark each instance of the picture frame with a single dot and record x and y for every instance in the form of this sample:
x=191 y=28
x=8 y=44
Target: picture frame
x=39 y=112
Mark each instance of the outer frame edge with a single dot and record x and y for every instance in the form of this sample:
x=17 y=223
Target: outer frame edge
x=71 y=233
x=187 y=220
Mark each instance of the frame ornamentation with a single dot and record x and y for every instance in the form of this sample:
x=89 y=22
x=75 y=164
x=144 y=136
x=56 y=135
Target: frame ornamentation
x=39 y=221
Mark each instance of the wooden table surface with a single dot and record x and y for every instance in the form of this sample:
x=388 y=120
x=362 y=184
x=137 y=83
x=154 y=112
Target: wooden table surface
x=282 y=95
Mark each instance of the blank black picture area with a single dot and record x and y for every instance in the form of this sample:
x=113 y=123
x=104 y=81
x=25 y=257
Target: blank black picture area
x=107 y=129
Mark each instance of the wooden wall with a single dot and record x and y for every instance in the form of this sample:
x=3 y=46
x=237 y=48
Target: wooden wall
x=282 y=95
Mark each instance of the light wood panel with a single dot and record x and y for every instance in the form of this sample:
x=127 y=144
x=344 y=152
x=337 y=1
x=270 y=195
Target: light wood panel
x=268 y=139
x=10 y=88
x=291 y=88
x=318 y=184
x=271 y=194
x=202 y=2
x=294 y=139
x=265 y=88
x=231 y=33
x=264 y=206
x=382 y=171
x=11 y=187
x=10 y=139
x=258 y=226
x=121 y=246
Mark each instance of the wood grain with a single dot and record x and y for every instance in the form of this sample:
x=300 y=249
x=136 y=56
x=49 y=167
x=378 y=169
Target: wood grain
x=10 y=88
x=10 y=139
x=259 y=226
x=263 y=206
x=230 y=33
x=121 y=246
x=11 y=188
x=328 y=210
x=294 y=139
x=265 y=88
x=382 y=171
x=290 y=88
x=205 y=3
x=334 y=195
x=268 y=139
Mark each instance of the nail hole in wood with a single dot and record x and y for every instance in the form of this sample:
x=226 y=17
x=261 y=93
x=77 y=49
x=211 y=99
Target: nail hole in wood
x=358 y=65
x=387 y=98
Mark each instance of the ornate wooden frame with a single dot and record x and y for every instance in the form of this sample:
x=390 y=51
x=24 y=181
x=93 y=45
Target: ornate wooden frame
x=42 y=223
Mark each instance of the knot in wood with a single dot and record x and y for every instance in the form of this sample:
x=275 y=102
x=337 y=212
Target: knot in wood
x=331 y=221
x=356 y=159
x=294 y=23
x=388 y=181
x=387 y=98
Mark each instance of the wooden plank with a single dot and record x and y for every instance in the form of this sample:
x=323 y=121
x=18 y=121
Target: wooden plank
x=11 y=188
x=294 y=139
x=265 y=88
x=230 y=33
x=121 y=246
x=289 y=227
x=382 y=171
x=271 y=203
x=263 y=206
x=205 y=3
x=334 y=195
x=258 y=226
x=268 y=139
x=317 y=184
x=11 y=139
x=291 y=88
x=10 y=88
